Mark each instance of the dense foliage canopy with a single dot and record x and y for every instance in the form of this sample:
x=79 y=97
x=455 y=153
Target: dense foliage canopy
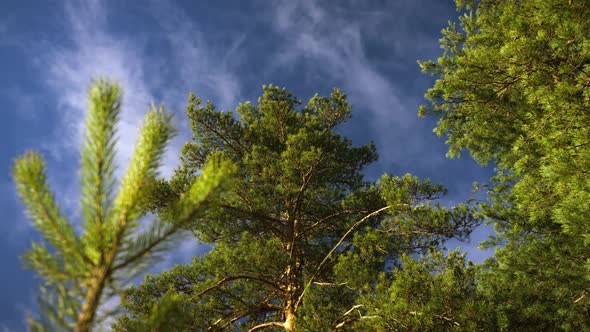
x=513 y=88
x=300 y=240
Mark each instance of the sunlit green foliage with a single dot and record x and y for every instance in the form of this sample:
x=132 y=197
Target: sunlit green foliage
x=432 y=293
x=300 y=240
x=513 y=88
x=81 y=270
x=300 y=236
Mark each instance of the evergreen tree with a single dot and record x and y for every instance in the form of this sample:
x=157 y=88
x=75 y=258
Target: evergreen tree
x=513 y=88
x=81 y=270
x=300 y=238
x=432 y=293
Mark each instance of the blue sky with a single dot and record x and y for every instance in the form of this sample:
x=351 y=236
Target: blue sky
x=223 y=51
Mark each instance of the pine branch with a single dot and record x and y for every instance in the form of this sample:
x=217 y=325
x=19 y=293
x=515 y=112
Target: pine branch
x=97 y=154
x=50 y=266
x=31 y=182
x=145 y=244
x=265 y=325
x=263 y=308
x=205 y=186
x=155 y=132
x=79 y=272
x=333 y=215
x=226 y=280
x=329 y=254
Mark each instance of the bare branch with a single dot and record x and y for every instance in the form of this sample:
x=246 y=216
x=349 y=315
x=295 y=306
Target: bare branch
x=352 y=319
x=581 y=297
x=264 y=325
x=329 y=284
x=333 y=215
x=342 y=239
x=233 y=278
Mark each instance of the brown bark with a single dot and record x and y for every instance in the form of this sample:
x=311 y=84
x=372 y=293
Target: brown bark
x=291 y=296
x=289 y=321
x=91 y=301
x=94 y=292
x=293 y=278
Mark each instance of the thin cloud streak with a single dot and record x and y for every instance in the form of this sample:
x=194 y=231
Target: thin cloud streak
x=94 y=54
x=201 y=68
x=336 y=46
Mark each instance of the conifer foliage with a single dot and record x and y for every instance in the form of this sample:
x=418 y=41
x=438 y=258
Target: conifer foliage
x=82 y=270
x=513 y=88
x=300 y=236
x=301 y=241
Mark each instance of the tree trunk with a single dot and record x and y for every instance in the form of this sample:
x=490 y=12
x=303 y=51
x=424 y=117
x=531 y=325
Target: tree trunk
x=292 y=274
x=292 y=294
x=103 y=272
x=289 y=321
x=92 y=301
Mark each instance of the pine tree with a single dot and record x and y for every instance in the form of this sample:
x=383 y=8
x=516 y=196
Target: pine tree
x=300 y=236
x=82 y=270
x=430 y=293
x=513 y=88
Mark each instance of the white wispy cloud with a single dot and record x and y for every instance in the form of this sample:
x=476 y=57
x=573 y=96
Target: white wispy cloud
x=94 y=51
x=201 y=67
x=334 y=45
x=400 y=26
